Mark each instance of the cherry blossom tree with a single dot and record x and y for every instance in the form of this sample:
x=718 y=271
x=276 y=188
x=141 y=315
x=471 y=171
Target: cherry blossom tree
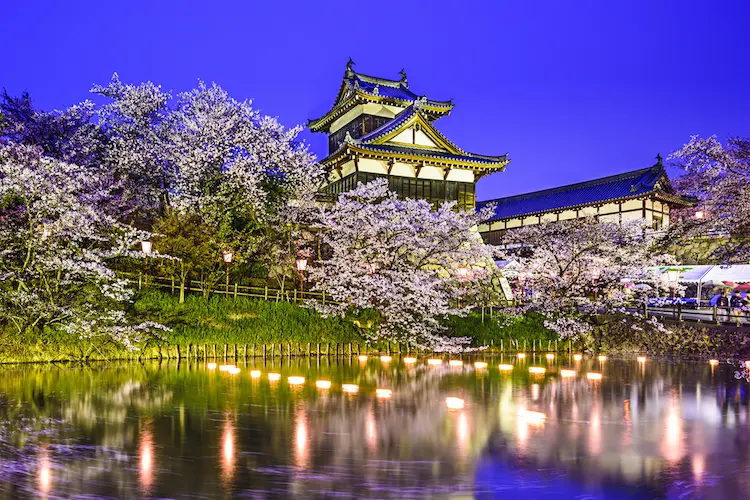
x=137 y=123
x=55 y=245
x=582 y=274
x=238 y=170
x=719 y=177
x=70 y=135
x=397 y=267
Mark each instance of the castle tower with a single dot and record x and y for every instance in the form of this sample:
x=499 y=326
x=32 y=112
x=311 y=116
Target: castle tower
x=380 y=128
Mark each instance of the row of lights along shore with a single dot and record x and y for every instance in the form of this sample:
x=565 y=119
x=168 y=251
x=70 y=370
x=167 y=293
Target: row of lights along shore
x=297 y=380
x=232 y=369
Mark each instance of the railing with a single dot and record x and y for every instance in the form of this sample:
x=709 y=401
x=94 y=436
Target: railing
x=713 y=315
x=232 y=290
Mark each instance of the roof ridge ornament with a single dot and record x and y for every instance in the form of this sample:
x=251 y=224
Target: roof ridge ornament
x=419 y=102
x=348 y=138
x=349 y=71
x=658 y=159
x=376 y=90
x=403 y=80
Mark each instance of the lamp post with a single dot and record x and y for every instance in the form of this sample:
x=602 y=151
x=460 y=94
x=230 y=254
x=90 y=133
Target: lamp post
x=595 y=275
x=227 y=255
x=301 y=266
x=672 y=276
x=463 y=272
x=146 y=247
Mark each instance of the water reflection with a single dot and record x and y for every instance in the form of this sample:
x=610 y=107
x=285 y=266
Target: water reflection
x=660 y=429
x=227 y=452
x=146 y=451
x=301 y=446
x=44 y=471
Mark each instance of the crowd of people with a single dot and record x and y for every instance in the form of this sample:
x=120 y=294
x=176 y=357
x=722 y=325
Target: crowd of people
x=733 y=305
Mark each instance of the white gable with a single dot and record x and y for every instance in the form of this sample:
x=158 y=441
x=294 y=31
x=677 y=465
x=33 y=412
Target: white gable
x=422 y=139
x=406 y=136
x=411 y=136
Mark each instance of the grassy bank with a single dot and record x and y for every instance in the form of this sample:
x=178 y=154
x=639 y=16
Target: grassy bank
x=198 y=325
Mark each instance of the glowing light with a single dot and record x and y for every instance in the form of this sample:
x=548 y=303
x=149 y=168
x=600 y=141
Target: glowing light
x=699 y=214
x=602 y=358
x=211 y=366
x=234 y=371
x=371 y=430
x=713 y=362
x=594 y=376
x=672 y=443
x=226 y=368
x=567 y=373
x=295 y=380
x=255 y=373
x=480 y=365
x=550 y=356
x=323 y=384
x=362 y=357
x=45 y=472
x=454 y=403
x=532 y=417
x=434 y=361
x=456 y=362
x=351 y=388
x=300 y=439
x=698 y=463
x=747 y=363
x=274 y=377
x=534 y=392
x=641 y=359
x=577 y=357
x=384 y=393
x=410 y=360
x=462 y=432
x=521 y=355
x=385 y=359
x=146 y=459
x=537 y=369
x=227 y=452
x=505 y=368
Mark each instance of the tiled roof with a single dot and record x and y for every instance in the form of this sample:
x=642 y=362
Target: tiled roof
x=357 y=87
x=389 y=126
x=621 y=186
x=432 y=153
x=373 y=142
x=391 y=89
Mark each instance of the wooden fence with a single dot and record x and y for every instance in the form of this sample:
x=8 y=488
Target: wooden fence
x=231 y=290
x=241 y=351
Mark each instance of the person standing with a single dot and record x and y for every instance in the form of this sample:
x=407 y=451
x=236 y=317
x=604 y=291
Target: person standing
x=722 y=305
x=736 y=303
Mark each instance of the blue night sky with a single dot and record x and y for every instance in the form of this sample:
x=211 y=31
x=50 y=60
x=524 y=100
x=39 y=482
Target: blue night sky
x=571 y=90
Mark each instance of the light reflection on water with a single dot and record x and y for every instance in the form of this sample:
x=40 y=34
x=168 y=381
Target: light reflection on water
x=653 y=429
x=146 y=451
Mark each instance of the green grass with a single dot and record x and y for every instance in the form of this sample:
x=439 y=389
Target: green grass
x=243 y=322
x=498 y=329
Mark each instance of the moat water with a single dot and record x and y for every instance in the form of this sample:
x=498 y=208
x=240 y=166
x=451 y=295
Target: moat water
x=276 y=429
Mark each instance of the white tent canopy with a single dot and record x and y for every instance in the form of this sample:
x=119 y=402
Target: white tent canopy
x=709 y=275
x=736 y=273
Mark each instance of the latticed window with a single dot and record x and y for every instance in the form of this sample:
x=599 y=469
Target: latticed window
x=359 y=126
x=434 y=191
